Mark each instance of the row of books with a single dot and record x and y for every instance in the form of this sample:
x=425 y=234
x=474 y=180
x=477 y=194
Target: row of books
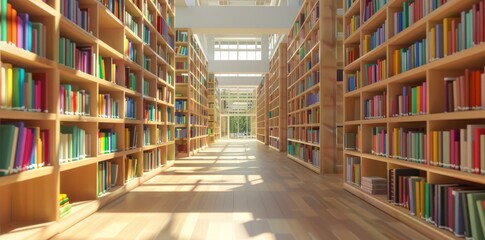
x=408 y=144
x=411 y=102
x=107 y=141
x=108 y=70
x=152 y=159
x=149 y=113
x=107 y=176
x=130 y=50
x=348 y=3
x=114 y=6
x=108 y=107
x=371 y=7
x=411 y=57
x=146 y=136
x=130 y=108
x=130 y=79
x=459 y=148
x=131 y=137
x=274 y=131
x=354 y=81
x=181 y=105
x=23 y=147
x=64 y=205
x=182 y=51
x=351 y=54
x=411 y=13
x=455 y=34
x=306 y=135
x=354 y=24
x=182 y=78
x=376 y=107
x=180 y=119
x=274 y=142
x=181 y=147
x=146 y=34
x=75 y=144
x=163 y=94
x=22 y=90
x=182 y=36
x=74 y=101
x=379 y=145
x=146 y=87
x=159 y=135
x=352 y=170
x=147 y=63
x=455 y=207
x=180 y=132
x=372 y=41
x=306 y=153
x=73 y=56
x=310 y=116
x=375 y=72
x=163 y=28
x=18 y=29
x=311 y=80
x=80 y=16
x=465 y=92
x=131 y=168
x=182 y=65
x=131 y=23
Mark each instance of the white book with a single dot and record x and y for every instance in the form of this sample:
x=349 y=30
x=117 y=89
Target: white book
x=463 y=151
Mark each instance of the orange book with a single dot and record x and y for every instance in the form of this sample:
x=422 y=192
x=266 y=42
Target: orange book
x=397 y=63
x=9 y=22
x=14 y=27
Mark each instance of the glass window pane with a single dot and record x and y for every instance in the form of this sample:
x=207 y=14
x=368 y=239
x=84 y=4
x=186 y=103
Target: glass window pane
x=258 y=55
x=233 y=46
x=251 y=56
x=224 y=46
x=217 y=55
x=251 y=46
x=243 y=46
x=243 y=55
x=233 y=55
x=225 y=55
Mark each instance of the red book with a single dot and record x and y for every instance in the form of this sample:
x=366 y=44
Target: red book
x=478 y=88
x=28 y=149
x=477 y=132
x=483 y=204
x=467 y=89
x=42 y=79
x=480 y=22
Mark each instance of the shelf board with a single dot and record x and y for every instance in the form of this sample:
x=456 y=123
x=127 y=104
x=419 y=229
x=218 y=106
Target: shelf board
x=78 y=163
x=75 y=33
x=305 y=143
x=18 y=56
x=26 y=175
x=274 y=148
x=305 y=164
x=14 y=115
x=354 y=8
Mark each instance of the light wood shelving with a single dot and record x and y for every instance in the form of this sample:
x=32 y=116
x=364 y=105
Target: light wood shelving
x=311 y=81
x=262 y=131
x=278 y=101
x=433 y=118
x=29 y=205
x=191 y=83
x=214 y=109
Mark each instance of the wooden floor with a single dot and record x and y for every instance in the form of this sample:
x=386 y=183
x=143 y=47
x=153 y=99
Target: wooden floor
x=240 y=190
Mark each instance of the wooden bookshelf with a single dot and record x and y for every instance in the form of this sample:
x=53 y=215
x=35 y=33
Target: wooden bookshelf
x=277 y=91
x=430 y=116
x=29 y=205
x=191 y=82
x=262 y=131
x=312 y=73
x=214 y=109
x=339 y=123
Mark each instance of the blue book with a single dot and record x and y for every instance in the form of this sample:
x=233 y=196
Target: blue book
x=19 y=154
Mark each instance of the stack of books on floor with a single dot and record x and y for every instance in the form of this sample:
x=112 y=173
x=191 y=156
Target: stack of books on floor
x=374 y=185
x=64 y=205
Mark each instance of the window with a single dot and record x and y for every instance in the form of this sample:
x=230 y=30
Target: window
x=237 y=50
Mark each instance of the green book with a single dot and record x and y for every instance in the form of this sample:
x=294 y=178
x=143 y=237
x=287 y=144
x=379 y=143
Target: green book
x=414 y=95
x=3 y=10
x=405 y=13
x=427 y=201
x=476 y=227
x=30 y=91
x=469 y=30
x=62 y=42
x=8 y=136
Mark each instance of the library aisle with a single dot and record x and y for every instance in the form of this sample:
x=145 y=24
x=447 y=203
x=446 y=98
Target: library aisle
x=239 y=190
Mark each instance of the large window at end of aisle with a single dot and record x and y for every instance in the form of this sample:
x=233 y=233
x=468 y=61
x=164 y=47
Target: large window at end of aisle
x=237 y=50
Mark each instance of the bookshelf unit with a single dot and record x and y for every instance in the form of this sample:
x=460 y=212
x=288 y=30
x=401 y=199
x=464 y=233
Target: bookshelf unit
x=410 y=97
x=278 y=102
x=97 y=99
x=262 y=132
x=312 y=68
x=214 y=109
x=339 y=123
x=191 y=95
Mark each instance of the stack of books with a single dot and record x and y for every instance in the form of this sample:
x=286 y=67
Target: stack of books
x=374 y=185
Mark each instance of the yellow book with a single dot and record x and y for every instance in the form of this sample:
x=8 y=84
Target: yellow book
x=9 y=85
x=366 y=43
x=432 y=43
x=397 y=61
x=446 y=29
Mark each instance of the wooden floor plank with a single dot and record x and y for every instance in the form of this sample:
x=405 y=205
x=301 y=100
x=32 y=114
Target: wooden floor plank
x=240 y=190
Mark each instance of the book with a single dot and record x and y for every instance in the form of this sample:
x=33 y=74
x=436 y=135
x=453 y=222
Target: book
x=477 y=231
x=8 y=138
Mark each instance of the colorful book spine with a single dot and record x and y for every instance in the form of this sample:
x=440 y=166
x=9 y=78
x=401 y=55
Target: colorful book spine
x=131 y=137
x=371 y=7
x=107 y=176
x=146 y=35
x=64 y=205
x=180 y=118
x=181 y=147
x=354 y=81
x=351 y=141
x=149 y=112
x=75 y=144
x=72 y=10
x=408 y=144
x=147 y=62
x=22 y=90
x=352 y=170
x=108 y=107
x=180 y=105
x=465 y=92
x=146 y=136
x=306 y=153
x=130 y=79
x=152 y=160
x=410 y=102
x=131 y=23
x=74 y=101
x=411 y=57
x=354 y=24
x=375 y=72
x=107 y=141
x=73 y=56
x=378 y=145
x=182 y=36
x=130 y=108
x=376 y=107
x=412 y=11
x=372 y=41
x=130 y=50
x=131 y=168
x=351 y=54
x=115 y=7
x=180 y=132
